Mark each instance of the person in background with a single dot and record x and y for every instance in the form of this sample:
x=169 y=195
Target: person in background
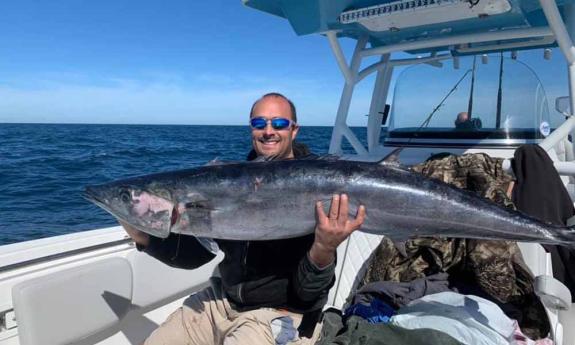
x=463 y=121
x=270 y=292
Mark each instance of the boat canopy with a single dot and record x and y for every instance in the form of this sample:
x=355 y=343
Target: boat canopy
x=392 y=22
x=436 y=31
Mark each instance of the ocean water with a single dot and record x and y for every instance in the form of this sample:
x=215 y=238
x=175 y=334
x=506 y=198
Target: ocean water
x=45 y=167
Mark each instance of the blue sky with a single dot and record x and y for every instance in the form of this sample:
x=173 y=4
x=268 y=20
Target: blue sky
x=176 y=61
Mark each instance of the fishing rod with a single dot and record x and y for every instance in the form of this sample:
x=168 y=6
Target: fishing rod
x=428 y=119
x=394 y=155
x=499 y=95
x=470 y=104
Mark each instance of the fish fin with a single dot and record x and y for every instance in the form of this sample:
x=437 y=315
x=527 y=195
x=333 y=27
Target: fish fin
x=392 y=157
x=568 y=235
x=209 y=244
x=564 y=235
x=264 y=158
x=217 y=161
x=310 y=157
x=326 y=157
x=329 y=157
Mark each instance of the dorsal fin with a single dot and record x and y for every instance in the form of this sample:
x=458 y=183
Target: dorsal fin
x=311 y=157
x=392 y=157
x=217 y=161
x=264 y=158
x=329 y=157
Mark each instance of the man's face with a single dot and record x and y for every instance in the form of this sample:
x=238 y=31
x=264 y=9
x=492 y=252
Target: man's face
x=273 y=142
x=462 y=117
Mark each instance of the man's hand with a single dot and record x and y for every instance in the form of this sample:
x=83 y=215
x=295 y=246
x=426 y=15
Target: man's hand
x=138 y=236
x=331 y=230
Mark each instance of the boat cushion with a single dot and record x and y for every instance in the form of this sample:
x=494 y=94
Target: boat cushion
x=155 y=283
x=352 y=258
x=69 y=305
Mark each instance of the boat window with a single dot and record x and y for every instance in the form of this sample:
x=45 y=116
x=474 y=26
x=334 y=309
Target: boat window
x=504 y=100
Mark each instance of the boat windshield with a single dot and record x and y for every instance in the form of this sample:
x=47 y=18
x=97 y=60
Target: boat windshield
x=500 y=100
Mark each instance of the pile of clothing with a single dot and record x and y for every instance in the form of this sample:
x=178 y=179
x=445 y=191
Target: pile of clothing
x=456 y=291
x=441 y=318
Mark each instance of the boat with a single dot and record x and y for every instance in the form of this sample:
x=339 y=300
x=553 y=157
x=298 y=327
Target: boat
x=94 y=287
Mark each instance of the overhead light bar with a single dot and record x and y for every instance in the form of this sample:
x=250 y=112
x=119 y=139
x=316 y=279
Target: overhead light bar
x=397 y=15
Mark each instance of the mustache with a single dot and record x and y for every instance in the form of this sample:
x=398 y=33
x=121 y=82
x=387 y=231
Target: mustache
x=267 y=138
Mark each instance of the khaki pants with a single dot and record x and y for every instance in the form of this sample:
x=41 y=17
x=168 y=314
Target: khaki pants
x=206 y=318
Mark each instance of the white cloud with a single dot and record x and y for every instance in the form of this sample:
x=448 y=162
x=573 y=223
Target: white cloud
x=207 y=99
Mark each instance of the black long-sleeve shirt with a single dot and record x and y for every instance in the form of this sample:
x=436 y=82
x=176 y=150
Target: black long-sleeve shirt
x=255 y=274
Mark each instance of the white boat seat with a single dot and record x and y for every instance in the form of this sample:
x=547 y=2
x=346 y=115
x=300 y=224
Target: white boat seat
x=67 y=306
x=352 y=256
x=553 y=293
x=354 y=253
x=155 y=283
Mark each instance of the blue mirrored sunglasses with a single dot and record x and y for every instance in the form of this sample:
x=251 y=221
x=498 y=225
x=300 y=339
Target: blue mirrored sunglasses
x=278 y=123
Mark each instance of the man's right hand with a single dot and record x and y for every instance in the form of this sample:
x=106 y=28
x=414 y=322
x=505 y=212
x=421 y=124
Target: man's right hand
x=141 y=238
x=333 y=229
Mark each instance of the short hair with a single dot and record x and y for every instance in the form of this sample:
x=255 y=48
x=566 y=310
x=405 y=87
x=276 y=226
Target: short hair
x=461 y=115
x=276 y=94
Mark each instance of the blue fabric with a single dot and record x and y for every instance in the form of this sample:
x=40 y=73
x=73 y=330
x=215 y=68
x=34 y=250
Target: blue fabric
x=376 y=312
x=283 y=330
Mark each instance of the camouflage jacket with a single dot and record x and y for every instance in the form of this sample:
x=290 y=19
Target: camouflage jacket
x=490 y=269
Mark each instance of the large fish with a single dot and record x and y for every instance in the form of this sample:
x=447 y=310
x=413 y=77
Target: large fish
x=276 y=200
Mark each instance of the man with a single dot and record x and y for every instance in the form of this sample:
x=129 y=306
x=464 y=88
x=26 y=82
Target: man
x=267 y=288
x=463 y=121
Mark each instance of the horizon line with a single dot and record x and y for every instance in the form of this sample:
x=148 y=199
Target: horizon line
x=141 y=124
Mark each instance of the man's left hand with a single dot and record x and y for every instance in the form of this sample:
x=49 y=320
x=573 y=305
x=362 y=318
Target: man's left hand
x=332 y=229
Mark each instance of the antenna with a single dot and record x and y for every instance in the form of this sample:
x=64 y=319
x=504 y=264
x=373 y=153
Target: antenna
x=470 y=104
x=499 y=94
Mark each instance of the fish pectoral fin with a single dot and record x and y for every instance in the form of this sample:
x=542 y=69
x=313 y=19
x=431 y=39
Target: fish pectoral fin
x=209 y=244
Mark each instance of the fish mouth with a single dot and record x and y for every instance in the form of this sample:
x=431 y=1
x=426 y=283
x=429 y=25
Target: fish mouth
x=90 y=194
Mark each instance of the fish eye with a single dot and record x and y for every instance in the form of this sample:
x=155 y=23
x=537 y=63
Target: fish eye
x=125 y=196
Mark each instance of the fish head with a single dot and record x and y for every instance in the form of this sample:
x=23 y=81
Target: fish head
x=147 y=208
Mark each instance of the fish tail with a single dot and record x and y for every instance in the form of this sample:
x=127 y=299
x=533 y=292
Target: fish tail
x=568 y=236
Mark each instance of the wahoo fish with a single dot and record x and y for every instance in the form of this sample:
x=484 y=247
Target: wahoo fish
x=276 y=200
